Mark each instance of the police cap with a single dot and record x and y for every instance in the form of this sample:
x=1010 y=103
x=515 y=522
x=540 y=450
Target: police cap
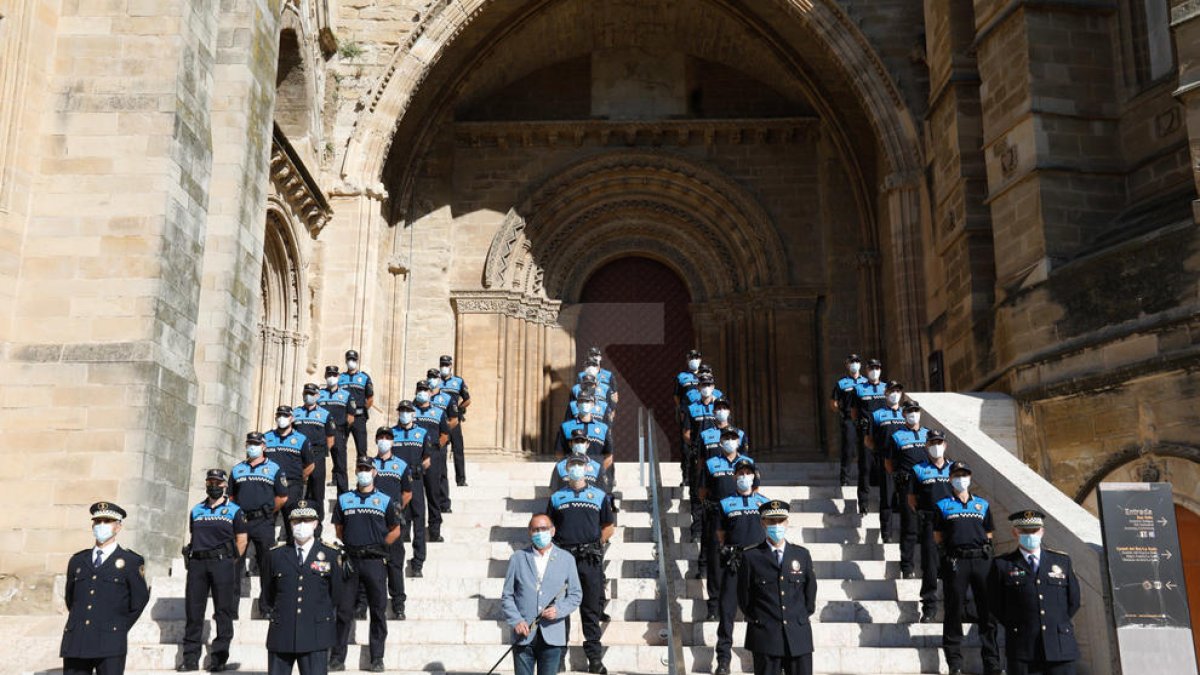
x=935 y=436
x=774 y=509
x=722 y=403
x=854 y=358
x=304 y=510
x=255 y=438
x=446 y=360
x=406 y=405
x=960 y=467
x=893 y=386
x=874 y=363
x=364 y=463
x=107 y=510
x=706 y=378
x=351 y=355
x=383 y=432
x=216 y=474
x=423 y=385
x=743 y=463
x=593 y=360
x=693 y=354
x=594 y=351
x=311 y=388
x=588 y=378
x=577 y=434
x=284 y=410
x=577 y=459
x=912 y=406
x=1029 y=519
x=585 y=396
x=433 y=373
x=705 y=368
x=729 y=432
x=331 y=370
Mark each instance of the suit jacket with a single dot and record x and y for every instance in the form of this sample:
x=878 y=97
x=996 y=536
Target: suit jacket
x=304 y=597
x=523 y=597
x=1030 y=605
x=103 y=602
x=777 y=600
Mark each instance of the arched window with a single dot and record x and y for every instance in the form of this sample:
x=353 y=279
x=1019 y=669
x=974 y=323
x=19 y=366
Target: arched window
x=282 y=335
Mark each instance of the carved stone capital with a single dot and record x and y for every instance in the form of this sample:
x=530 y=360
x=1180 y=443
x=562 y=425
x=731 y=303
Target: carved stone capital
x=507 y=303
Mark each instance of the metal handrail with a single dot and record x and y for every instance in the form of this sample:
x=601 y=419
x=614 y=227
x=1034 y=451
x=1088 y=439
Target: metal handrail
x=668 y=571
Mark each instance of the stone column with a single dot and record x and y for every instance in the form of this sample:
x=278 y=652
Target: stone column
x=904 y=310
x=1185 y=22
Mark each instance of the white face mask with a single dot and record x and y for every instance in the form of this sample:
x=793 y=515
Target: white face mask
x=445 y=371
x=586 y=408
x=254 y=451
x=310 y=399
x=422 y=397
x=893 y=398
x=729 y=446
x=435 y=383
x=384 y=446
x=706 y=392
x=406 y=418
x=745 y=482
x=693 y=364
x=960 y=483
x=364 y=478
x=936 y=450
x=304 y=531
x=331 y=381
x=721 y=415
x=913 y=418
x=579 y=448
x=873 y=374
x=352 y=365
x=102 y=532
x=283 y=422
x=855 y=367
x=592 y=370
x=576 y=473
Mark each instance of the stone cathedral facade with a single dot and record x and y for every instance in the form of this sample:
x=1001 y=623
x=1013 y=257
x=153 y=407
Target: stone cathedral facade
x=203 y=203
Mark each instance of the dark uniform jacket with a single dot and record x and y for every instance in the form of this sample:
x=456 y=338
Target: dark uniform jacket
x=304 y=598
x=777 y=601
x=1031 y=605
x=103 y=603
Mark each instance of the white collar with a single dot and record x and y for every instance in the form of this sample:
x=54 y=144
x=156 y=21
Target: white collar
x=306 y=547
x=778 y=549
x=105 y=550
x=1025 y=553
x=539 y=554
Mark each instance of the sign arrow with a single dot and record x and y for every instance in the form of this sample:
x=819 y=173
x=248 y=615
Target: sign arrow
x=1171 y=585
x=1162 y=521
x=1166 y=554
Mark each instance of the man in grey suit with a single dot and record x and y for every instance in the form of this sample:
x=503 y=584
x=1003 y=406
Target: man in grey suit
x=541 y=584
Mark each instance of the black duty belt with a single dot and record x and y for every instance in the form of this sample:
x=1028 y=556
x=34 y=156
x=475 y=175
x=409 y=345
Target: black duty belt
x=966 y=552
x=373 y=552
x=213 y=554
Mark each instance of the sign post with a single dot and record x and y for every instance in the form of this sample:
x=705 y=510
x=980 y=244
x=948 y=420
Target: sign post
x=1145 y=575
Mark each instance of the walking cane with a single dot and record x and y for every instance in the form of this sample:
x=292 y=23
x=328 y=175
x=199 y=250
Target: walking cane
x=532 y=627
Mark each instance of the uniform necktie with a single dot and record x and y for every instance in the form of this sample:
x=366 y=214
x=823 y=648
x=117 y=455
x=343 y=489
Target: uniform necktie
x=99 y=558
x=779 y=557
x=1033 y=565
x=299 y=554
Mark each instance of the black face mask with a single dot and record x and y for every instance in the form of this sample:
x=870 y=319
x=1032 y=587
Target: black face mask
x=214 y=491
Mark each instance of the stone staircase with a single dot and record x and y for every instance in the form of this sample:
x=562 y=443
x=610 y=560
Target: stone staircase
x=866 y=616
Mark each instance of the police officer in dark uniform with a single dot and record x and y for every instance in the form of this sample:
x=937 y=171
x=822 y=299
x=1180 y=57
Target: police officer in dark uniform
x=906 y=449
x=316 y=424
x=719 y=483
x=869 y=396
x=305 y=581
x=710 y=438
x=600 y=447
x=740 y=530
x=393 y=477
x=929 y=485
x=218 y=540
x=842 y=401
x=583 y=522
x=963 y=532
x=260 y=488
x=600 y=408
x=291 y=450
x=457 y=389
x=105 y=594
x=415 y=445
x=592 y=471
x=437 y=421
x=362 y=390
x=448 y=404
x=885 y=421
x=341 y=406
x=368 y=522
x=1033 y=593
x=685 y=381
x=700 y=416
x=777 y=592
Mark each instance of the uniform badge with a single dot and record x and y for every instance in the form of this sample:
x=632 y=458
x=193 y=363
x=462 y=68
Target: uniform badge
x=102 y=506
x=320 y=555
x=979 y=507
x=375 y=500
x=264 y=469
x=591 y=496
x=224 y=512
x=795 y=566
x=119 y=563
x=1056 y=572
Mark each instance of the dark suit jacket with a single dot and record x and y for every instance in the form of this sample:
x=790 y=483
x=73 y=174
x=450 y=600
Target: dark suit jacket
x=1017 y=597
x=777 y=600
x=308 y=626
x=103 y=603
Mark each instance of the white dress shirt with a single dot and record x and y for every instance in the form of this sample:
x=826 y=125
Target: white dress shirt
x=105 y=551
x=541 y=561
x=304 y=548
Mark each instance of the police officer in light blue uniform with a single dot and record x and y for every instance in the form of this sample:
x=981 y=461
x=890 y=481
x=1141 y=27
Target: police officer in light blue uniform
x=393 y=477
x=363 y=391
x=448 y=403
x=694 y=395
x=906 y=449
x=963 y=532
x=593 y=470
x=415 y=445
x=218 y=540
x=685 y=381
x=885 y=421
x=600 y=409
x=710 y=438
x=740 y=530
x=930 y=484
x=842 y=401
x=260 y=488
x=719 y=483
x=316 y=424
x=437 y=414
x=341 y=406
x=291 y=450
x=603 y=375
x=456 y=387
x=700 y=417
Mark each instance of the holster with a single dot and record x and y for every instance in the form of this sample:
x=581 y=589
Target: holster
x=592 y=553
x=864 y=425
x=731 y=558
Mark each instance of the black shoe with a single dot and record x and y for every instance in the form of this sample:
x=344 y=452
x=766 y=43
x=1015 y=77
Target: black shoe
x=604 y=617
x=187 y=667
x=597 y=668
x=336 y=665
x=700 y=572
x=461 y=483
x=885 y=538
x=722 y=668
x=447 y=510
x=437 y=539
x=398 y=613
x=845 y=482
x=360 y=613
x=955 y=670
x=908 y=575
x=863 y=509
x=615 y=507
x=376 y=666
x=415 y=572
x=712 y=615
x=928 y=615
x=216 y=665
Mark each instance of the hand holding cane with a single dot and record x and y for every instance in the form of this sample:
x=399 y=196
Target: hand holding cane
x=532 y=627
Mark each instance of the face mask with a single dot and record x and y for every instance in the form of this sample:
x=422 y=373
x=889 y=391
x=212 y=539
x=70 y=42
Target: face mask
x=937 y=450
x=283 y=422
x=961 y=483
x=445 y=371
x=729 y=446
x=435 y=383
x=873 y=374
x=721 y=415
x=693 y=364
x=352 y=365
x=385 y=446
x=102 y=532
x=406 y=418
x=331 y=381
x=304 y=531
x=1031 y=542
x=576 y=472
x=310 y=399
x=592 y=370
x=855 y=367
x=586 y=408
x=745 y=482
x=254 y=451
x=540 y=539
x=893 y=399
x=579 y=448
x=364 y=478
x=706 y=392
x=913 y=418
x=214 y=491
x=422 y=397
x=776 y=533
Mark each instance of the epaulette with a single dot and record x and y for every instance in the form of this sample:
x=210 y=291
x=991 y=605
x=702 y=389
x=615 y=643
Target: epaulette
x=131 y=551
x=1054 y=550
x=279 y=545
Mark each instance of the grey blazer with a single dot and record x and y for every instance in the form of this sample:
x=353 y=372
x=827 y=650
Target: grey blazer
x=523 y=597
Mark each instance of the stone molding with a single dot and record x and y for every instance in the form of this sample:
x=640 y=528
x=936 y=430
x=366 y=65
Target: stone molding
x=296 y=187
x=507 y=303
x=640 y=133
